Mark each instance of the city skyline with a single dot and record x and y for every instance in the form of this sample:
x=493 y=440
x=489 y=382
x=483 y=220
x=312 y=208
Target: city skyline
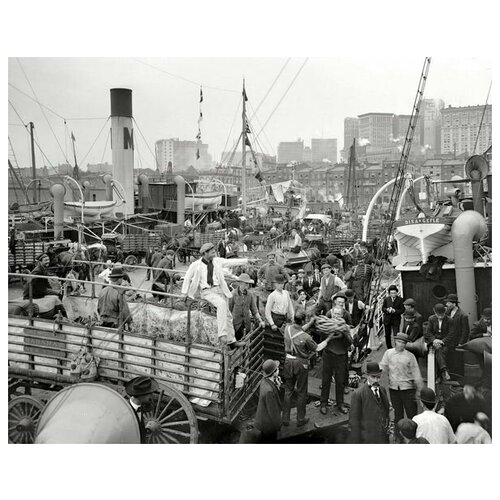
x=328 y=90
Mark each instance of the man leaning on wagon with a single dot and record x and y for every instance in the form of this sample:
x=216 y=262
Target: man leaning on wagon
x=112 y=306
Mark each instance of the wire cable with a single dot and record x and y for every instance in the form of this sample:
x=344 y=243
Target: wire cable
x=98 y=135
x=482 y=117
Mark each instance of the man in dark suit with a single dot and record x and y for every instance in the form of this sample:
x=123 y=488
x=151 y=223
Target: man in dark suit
x=369 y=415
x=392 y=308
x=410 y=306
x=309 y=283
x=461 y=327
x=440 y=335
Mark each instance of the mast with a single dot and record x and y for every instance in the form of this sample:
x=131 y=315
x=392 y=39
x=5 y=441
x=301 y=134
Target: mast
x=33 y=161
x=243 y=155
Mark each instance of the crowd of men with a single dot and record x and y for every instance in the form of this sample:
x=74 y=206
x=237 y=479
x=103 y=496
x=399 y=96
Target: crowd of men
x=334 y=292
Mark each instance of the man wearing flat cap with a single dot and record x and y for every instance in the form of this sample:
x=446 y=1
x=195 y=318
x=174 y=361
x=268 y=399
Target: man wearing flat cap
x=392 y=308
x=205 y=277
x=268 y=416
x=329 y=286
x=369 y=415
x=440 y=335
x=270 y=270
x=410 y=306
x=404 y=377
x=482 y=328
x=141 y=389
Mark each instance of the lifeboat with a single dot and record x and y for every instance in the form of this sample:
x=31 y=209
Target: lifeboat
x=91 y=209
x=203 y=201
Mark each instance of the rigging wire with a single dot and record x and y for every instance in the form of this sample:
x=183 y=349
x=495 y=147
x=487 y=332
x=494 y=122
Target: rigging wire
x=271 y=87
x=263 y=131
x=183 y=78
x=284 y=95
x=482 y=117
x=41 y=109
x=105 y=145
x=225 y=156
x=98 y=135
x=146 y=142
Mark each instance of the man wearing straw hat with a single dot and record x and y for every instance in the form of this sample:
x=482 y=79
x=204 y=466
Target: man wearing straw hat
x=112 y=306
x=243 y=307
x=205 y=277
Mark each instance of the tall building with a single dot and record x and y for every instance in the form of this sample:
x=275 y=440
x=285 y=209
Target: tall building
x=400 y=125
x=376 y=128
x=351 y=131
x=182 y=154
x=307 y=156
x=291 y=151
x=322 y=149
x=430 y=125
x=460 y=128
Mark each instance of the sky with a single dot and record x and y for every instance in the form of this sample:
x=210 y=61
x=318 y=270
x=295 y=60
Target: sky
x=322 y=91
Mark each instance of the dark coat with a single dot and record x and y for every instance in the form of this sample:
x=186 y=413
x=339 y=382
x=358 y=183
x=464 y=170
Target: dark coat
x=412 y=329
x=447 y=334
x=461 y=327
x=268 y=415
x=368 y=417
x=393 y=318
x=478 y=328
x=308 y=288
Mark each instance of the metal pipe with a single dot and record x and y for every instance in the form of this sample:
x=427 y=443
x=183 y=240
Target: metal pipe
x=366 y=218
x=467 y=227
x=58 y=191
x=108 y=181
x=181 y=199
x=143 y=183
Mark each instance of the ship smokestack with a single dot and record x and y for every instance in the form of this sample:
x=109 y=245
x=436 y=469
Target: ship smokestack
x=468 y=226
x=181 y=198
x=58 y=191
x=122 y=144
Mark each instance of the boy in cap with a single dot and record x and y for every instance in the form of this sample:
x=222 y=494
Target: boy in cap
x=440 y=335
x=279 y=305
x=205 y=277
x=268 y=416
x=243 y=307
x=404 y=377
x=369 y=415
x=431 y=425
x=482 y=328
x=392 y=308
x=410 y=306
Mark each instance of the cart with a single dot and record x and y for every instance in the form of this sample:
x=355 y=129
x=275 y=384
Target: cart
x=197 y=381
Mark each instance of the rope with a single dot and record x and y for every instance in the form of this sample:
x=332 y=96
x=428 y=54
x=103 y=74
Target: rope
x=283 y=96
x=41 y=109
x=98 y=135
x=140 y=132
x=482 y=117
x=223 y=159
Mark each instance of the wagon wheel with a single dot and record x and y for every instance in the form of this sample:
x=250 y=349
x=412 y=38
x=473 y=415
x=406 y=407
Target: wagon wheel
x=24 y=413
x=172 y=421
x=131 y=260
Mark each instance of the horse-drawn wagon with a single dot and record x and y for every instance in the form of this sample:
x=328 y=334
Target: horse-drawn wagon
x=198 y=378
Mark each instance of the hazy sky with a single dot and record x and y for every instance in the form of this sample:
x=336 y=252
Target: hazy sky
x=325 y=92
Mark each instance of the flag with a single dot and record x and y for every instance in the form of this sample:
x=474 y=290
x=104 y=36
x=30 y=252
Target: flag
x=247 y=142
x=200 y=118
x=198 y=135
x=245 y=95
x=248 y=131
x=201 y=95
x=197 y=154
x=72 y=136
x=258 y=176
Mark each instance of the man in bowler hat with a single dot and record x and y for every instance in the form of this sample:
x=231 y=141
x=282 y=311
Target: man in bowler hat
x=369 y=415
x=141 y=389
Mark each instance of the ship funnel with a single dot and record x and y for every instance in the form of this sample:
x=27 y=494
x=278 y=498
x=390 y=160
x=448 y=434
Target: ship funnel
x=143 y=183
x=476 y=169
x=466 y=228
x=181 y=198
x=122 y=144
x=58 y=191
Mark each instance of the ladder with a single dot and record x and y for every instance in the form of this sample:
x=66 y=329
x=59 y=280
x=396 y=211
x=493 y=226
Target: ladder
x=399 y=182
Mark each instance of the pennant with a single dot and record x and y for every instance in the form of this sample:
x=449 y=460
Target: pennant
x=198 y=135
x=248 y=131
x=201 y=95
x=200 y=119
x=72 y=136
x=245 y=95
x=197 y=154
x=258 y=176
x=247 y=142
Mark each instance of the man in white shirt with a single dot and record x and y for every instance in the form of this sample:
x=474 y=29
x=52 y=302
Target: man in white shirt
x=279 y=306
x=205 y=277
x=432 y=426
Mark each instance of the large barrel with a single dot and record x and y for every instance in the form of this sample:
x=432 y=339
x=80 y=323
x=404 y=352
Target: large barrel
x=88 y=413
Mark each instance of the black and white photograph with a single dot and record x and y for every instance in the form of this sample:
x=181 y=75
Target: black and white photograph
x=234 y=248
